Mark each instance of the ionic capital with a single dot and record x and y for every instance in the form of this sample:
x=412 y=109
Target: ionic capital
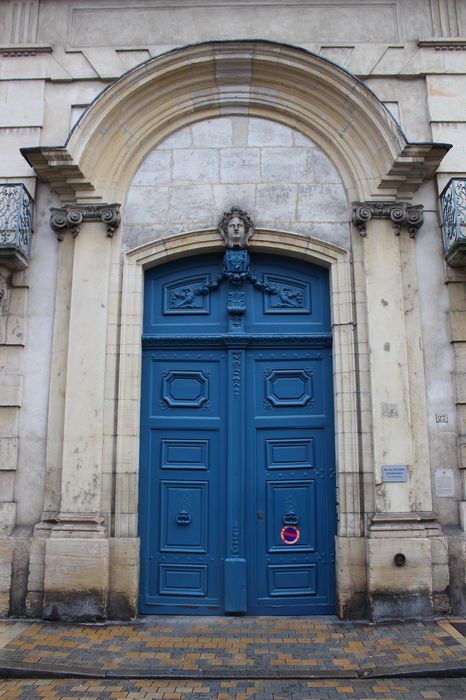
x=71 y=217
x=399 y=213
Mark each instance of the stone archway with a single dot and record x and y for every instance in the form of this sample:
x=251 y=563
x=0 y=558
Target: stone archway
x=254 y=78
x=325 y=254
x=95 y=166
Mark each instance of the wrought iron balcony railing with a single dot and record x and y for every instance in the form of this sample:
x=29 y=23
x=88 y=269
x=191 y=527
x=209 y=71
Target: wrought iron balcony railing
x=15 y=225
x=453 y=205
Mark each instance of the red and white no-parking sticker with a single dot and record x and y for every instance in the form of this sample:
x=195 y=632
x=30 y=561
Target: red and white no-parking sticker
x=290 y=534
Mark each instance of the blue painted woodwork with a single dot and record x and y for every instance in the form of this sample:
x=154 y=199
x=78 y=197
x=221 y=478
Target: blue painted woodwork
x=237 y=439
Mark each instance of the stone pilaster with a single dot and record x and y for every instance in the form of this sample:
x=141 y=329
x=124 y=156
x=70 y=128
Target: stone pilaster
x=76 y=571
x=399 y=546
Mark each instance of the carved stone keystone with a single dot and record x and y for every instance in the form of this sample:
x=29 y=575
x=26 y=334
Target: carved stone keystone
x=400 y=213
x=70 y=218
x=236 y=228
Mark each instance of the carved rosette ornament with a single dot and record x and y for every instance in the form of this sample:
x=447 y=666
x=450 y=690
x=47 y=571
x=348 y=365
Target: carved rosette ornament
x=70 y=218
x=400 y=214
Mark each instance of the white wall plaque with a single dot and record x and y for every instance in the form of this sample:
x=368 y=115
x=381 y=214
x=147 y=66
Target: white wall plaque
x=390 y=410
x=444 y=483
x=394 y=473
x=441 y=417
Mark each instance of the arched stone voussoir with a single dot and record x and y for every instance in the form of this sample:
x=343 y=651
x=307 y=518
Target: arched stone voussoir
x=255 y=78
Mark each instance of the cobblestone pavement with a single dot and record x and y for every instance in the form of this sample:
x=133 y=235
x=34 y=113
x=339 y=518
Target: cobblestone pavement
x=408 y=689
x=167 y=647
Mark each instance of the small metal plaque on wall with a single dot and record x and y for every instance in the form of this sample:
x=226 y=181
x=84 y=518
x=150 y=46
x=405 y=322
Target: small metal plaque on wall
x=394 y=473
x=444 y=483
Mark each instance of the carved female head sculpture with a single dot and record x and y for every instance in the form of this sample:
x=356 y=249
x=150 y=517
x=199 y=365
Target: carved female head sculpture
x=236 y=228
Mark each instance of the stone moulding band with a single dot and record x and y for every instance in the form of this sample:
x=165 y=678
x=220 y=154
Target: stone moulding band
x=24 y=49
x=79 y=518
x=237 y=340
x=400 y=213
x=70 y=218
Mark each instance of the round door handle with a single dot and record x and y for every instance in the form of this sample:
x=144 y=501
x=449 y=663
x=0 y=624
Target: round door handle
x=260 y=515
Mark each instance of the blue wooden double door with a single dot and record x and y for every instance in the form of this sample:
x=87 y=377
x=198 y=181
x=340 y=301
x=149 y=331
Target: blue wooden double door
x=237 y=476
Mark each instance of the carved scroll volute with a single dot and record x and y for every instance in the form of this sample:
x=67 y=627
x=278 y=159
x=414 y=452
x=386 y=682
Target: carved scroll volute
x=70 y=218
x=399 y=213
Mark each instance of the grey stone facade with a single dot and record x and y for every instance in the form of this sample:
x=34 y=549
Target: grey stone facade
x=295 y=112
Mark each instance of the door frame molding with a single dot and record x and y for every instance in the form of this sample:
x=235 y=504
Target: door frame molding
x=347 y=438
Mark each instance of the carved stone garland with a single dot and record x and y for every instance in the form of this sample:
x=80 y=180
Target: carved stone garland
x=400 y=213
x=71 y=217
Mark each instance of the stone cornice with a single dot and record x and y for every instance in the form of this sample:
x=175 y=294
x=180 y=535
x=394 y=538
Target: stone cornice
x=399 y=213
x=416 y=163
x=54 y=165
x=24 y=49
x=443 y=43
x=70 y=218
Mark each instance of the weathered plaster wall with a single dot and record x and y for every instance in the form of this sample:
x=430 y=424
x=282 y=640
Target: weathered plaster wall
x=263 y=167
x=41 y=280
x=439 y=362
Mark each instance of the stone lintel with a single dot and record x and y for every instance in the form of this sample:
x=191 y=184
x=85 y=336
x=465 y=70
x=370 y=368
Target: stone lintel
x=70 y=218
x=399 y=213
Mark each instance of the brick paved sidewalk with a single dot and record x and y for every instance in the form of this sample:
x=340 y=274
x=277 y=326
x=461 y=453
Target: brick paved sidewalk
x=78 y=689
x=216 y=648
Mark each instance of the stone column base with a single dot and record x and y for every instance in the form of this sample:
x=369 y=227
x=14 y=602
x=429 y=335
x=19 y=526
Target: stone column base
x=400 y=591
x=76 y=579
x=35 y=591
x=123 y=600
x=457 y=550
x=440 y=575
x=351 y=577
x=408 y=573
x=6 y=558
